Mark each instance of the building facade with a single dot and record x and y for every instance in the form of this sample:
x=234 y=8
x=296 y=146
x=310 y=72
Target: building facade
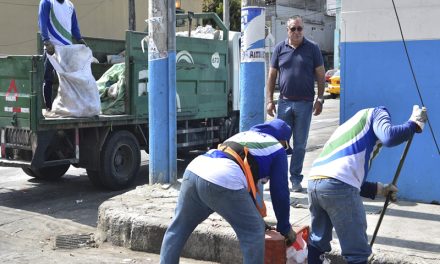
x=376 y=70
x=97 y=18
x=319 y=25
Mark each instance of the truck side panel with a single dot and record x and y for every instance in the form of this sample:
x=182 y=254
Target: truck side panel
x=17 y=76
x=202 y=78
x=136 y=72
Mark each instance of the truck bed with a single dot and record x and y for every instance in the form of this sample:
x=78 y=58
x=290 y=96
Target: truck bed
x=79 y=122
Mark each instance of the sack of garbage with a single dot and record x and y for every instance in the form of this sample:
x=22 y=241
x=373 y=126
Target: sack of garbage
x=111 y=87
x=203 y=32
x=77 y=92
x=297 y=252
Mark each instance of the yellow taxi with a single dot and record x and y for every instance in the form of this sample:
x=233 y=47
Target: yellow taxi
x=334 y=87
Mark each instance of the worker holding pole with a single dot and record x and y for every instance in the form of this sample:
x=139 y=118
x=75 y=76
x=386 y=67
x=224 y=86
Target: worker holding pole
x=338 y=180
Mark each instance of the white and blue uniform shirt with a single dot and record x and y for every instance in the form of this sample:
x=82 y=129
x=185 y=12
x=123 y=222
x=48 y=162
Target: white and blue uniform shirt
x=348 y=154
x=58 y=22
x=271 y=158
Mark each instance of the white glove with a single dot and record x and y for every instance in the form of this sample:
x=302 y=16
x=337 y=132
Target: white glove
x=419 y=117
x=385 y=189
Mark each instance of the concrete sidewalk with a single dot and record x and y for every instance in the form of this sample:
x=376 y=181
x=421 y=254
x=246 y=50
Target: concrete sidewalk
x=410 y=232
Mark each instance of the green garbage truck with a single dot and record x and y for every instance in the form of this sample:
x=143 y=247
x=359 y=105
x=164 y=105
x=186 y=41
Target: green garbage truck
x=109 y=145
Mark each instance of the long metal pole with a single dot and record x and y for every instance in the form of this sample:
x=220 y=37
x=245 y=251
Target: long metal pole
x=172 y=112
x=387 y=200
x=226 y=13
x=131 y=15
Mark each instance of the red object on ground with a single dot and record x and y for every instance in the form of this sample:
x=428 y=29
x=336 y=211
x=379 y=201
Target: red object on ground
x=275 y=245
x=304 y=231
x=275 y=248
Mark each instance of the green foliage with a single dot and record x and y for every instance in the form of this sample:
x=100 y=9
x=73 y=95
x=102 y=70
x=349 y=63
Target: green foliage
x=216 y=6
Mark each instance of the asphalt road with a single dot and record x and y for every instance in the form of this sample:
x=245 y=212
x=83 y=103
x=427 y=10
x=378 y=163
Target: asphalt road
x=33 y=214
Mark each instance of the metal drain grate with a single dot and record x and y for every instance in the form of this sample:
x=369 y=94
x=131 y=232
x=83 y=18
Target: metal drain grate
x=73 y=241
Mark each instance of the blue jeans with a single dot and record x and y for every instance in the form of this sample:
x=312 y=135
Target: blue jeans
x=198 y=199
x=48 y=81
x=298 y=115
x=339 y=205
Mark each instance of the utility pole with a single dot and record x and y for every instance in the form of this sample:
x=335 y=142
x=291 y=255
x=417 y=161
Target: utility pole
x=162 y=91
x=252 y=66
x=337 y=34
x=131 y=15
x=226 y=13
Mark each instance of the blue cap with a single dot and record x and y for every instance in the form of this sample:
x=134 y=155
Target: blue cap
x=276 y=128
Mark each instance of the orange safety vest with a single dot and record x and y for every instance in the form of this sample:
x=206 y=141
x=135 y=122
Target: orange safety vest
x=256 y=193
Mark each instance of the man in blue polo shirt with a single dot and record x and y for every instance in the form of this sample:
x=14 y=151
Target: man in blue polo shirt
x=298 y=61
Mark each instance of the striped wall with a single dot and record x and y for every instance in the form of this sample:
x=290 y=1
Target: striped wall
x=375 y=71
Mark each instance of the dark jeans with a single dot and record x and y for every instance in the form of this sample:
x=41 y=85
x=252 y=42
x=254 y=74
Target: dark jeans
x=333 y=203
x=298 y=115
x=198 y=199
x=48 y=81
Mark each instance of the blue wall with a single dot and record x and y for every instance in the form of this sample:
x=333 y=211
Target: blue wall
x=378 y=73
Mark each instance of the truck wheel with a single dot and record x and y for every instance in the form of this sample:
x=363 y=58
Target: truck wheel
x=120 y=160
x=47 y=173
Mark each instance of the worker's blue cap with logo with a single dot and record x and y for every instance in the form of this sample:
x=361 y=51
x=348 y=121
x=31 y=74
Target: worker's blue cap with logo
x=276 y=128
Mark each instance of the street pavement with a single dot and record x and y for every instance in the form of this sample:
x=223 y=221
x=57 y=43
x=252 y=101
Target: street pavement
x=409 y=233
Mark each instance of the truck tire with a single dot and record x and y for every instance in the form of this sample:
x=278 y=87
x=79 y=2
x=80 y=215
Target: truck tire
x=120 y=160
x=47 y=173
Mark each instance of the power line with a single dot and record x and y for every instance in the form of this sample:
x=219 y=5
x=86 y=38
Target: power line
x=413 y=74
x=17 y=43
x=34 y=5
x=18 y=4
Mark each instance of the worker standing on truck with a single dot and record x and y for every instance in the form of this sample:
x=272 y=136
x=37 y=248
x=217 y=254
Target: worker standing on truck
x=299 y=62
x=57 y=22
x=337 y=177
x=226 y=180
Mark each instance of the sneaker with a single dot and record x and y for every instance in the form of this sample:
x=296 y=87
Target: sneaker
x=296 y=187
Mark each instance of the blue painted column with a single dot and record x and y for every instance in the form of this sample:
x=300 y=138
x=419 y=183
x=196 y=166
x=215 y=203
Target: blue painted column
x=162 y=92
x=252 y=70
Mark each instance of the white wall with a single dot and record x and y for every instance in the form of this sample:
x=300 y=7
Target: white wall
x=375 y=70
x=375 y=20
x=321 y=33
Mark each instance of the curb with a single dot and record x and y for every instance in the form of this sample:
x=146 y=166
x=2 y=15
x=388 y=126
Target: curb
x=140 y=226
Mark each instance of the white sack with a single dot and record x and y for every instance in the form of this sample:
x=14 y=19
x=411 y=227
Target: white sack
x=206 y=32
x=78 y=94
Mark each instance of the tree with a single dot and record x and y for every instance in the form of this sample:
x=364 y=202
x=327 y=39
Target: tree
x=216 y=6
